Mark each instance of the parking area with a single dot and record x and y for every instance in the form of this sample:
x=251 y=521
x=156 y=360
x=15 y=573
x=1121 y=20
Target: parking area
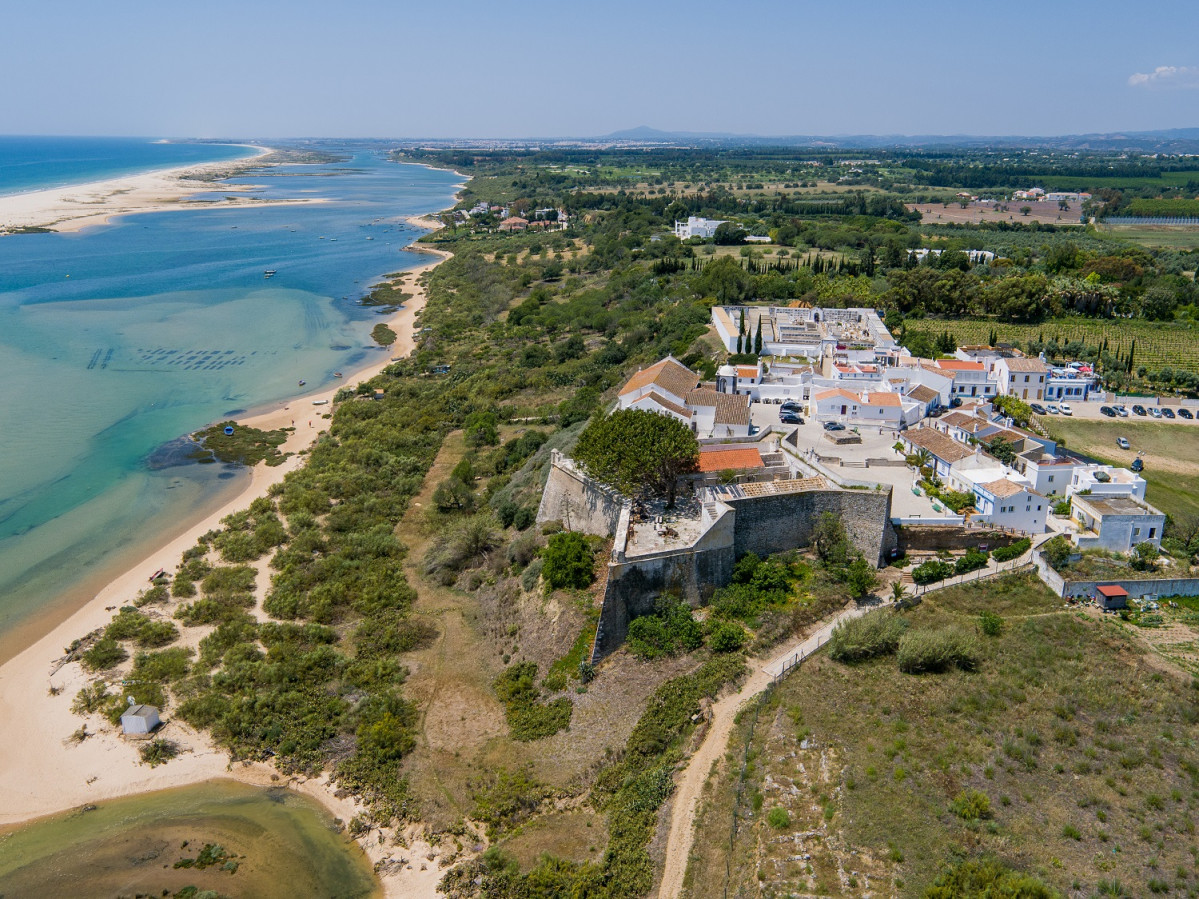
x=1090 y=409
x=874 y=459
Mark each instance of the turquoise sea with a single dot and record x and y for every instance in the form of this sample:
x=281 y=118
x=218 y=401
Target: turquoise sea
x=36 y=163
x=120 y=338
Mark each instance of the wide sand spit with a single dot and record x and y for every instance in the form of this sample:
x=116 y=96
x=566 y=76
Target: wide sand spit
x=79 y=206
x=43 y=771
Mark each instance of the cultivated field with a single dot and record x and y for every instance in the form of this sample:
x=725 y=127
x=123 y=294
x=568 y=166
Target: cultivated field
x=1159 y=344
x=1046 y=213
x=1164 y=236
x=1065 y=754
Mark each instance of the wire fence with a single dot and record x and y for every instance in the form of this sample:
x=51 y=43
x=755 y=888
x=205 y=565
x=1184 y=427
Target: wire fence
x=980 y=574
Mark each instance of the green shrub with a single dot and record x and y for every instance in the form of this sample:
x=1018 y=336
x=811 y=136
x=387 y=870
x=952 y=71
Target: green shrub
x=988 y=877
x=931 y=571
x=874 y=634
x=971 y=561
x=567 y=561
x=972 y=805
x=104 y=654
x=778 y=818
x=156 y=594
x=91 y=698
x=937 y=650
x=531 y=575
x=671 y=629
x=158 y=752
x=166 y=666
x=1012 y=551
x=528 y=718
x=126 y=624
x=468 y=542
x=990 y=624
x=1057 y=551
x=157 y=633
x=958 y=502
x=726 y=636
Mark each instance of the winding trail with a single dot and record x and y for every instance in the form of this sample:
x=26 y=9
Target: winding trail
x=690 y=783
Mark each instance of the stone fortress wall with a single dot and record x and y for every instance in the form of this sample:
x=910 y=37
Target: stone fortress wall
x=758 y=524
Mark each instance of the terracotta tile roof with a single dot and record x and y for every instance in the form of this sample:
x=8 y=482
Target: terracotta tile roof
x=702 y=396
x=1003 y=488
x=747 y=371
x=669 y=374
x=944 y=448
x=958 y=365
x=662 y=401
x=883 y=399
x=1112 y=590
x=731 y=409
x=720 y=459
x=837 y=391
x=922 y=394
x=969 y=423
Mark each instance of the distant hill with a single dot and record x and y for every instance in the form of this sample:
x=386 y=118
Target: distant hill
x=1174 y=140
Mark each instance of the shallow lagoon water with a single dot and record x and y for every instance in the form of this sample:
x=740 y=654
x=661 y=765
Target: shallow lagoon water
x=119 y=338
x=290 y=844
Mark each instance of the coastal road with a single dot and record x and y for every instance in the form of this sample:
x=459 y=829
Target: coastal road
x=690 y=783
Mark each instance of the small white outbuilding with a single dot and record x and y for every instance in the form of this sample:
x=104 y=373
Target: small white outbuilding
x=140 y=719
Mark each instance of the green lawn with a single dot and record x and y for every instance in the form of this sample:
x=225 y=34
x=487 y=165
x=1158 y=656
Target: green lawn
x=1171 y=454
x=1079 y=746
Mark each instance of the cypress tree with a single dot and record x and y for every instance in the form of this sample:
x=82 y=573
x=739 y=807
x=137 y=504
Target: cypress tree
x=758 y=338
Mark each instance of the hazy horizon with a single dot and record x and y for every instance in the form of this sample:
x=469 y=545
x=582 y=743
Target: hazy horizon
x=540 y=69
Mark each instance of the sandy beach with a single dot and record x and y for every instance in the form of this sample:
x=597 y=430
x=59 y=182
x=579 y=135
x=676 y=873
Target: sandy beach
x=43 y=771
x=79 y=206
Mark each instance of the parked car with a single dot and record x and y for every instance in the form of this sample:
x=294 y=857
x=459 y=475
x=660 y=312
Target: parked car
x=1053 y=409
x=790 y=406
x=1107 y=411
x=1185 y=413
x=834 y=426
x=1138 y=409
x=1122 y=442
x=1155 y=412
x=1137 y=465
x=936 y=412
x=1037 y=408
x=1168 y=413
x=790 y=418
x=1066 y=410
x=1122 y=411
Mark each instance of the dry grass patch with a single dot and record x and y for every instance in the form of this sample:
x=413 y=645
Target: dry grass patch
x=1079 y=743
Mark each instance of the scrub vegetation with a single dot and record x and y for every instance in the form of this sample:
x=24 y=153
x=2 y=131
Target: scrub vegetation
x=393 y=614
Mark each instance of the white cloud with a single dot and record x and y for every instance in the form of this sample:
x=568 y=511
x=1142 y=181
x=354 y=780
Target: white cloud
x=1166 y=76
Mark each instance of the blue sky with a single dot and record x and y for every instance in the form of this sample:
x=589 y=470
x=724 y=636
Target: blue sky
x=514 y=68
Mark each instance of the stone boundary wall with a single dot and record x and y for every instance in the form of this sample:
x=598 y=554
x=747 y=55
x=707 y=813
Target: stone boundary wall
x=580 y=503
x=692 y=573
x=934 y=537
x=763 y=525
x=1137 y=588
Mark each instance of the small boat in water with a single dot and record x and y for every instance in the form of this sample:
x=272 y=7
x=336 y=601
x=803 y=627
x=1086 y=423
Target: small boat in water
x=302 y=383
x=269 y=273
x=337 y=374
